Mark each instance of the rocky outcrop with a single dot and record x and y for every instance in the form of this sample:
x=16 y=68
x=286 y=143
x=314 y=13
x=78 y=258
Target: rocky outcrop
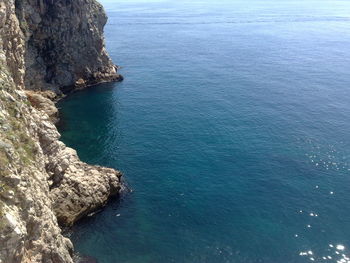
x=65 y=46
x=43 y=184
x=43 y=101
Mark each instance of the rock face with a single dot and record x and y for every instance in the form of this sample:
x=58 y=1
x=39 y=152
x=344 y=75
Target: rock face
x=46 y=45
x=65 y=45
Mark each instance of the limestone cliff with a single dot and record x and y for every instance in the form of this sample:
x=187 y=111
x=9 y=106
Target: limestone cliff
x=64 y=43
x=46 y=45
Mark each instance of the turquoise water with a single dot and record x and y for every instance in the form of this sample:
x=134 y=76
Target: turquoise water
x=231 y=127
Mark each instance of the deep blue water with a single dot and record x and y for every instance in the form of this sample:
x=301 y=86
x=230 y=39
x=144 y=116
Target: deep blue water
x=231 y=127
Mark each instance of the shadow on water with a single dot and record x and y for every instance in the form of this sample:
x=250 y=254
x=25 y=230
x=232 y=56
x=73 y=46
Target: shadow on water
x=103 y=88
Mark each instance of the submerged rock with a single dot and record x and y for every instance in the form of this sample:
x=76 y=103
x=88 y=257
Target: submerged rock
x=87 y=259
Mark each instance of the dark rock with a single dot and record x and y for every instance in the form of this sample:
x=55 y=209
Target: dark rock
x=65 y=44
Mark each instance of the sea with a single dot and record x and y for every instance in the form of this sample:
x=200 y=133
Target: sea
x=232 y=130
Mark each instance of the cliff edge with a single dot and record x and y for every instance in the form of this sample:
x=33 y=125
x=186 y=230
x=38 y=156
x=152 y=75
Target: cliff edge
x=64 y=44
x=46 y=47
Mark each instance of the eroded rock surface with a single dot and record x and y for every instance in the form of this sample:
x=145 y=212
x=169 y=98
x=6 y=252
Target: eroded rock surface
x=42 y=182
x=65 y=44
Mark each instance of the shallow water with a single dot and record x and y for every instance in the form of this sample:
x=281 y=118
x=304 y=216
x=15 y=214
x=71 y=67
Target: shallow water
x=231 y=127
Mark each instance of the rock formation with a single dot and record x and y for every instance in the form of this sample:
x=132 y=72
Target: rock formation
x=46 y=46
x=64 y=43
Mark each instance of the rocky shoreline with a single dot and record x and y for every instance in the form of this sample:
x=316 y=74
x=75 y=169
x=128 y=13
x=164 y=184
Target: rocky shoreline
x=47 y=48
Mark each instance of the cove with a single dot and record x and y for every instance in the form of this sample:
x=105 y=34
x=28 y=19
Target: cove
x=231 y=128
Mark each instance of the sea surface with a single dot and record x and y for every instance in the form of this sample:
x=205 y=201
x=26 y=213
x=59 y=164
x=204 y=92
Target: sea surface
x=231 y=128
